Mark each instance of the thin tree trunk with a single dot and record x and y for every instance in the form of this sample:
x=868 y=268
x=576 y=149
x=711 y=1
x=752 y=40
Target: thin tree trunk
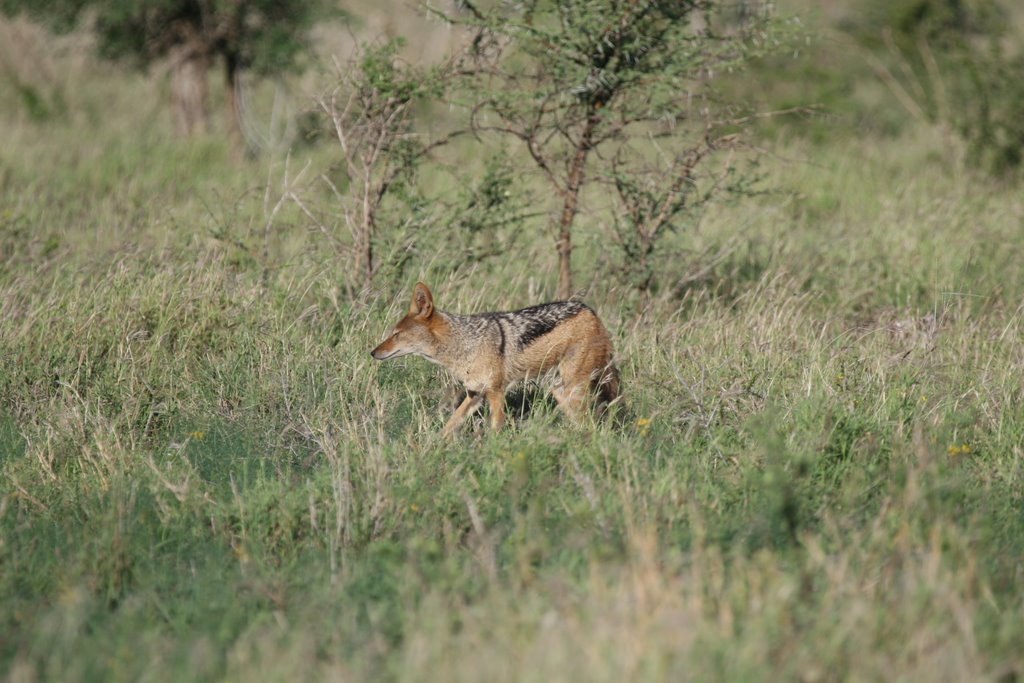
x=189 y=65
x=570 y=206
x=368 y=229
x=234 y=121
x=368 y=258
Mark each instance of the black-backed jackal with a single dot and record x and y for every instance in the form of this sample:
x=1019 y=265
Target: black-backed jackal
x=488 y=352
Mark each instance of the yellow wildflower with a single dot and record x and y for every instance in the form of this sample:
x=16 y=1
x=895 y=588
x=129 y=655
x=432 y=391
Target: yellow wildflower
x=961 y=449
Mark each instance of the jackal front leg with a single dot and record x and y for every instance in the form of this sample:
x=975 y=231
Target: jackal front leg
x=496 y=402
x=469 y=405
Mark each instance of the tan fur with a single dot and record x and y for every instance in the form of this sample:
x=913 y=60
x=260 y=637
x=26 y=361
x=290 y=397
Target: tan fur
x=578 y=346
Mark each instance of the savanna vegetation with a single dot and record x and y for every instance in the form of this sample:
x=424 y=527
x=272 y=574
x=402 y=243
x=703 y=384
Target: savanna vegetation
x=816 y=473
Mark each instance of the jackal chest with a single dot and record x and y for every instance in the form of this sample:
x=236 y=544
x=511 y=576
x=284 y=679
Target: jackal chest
x=475 y=381
x=478 y=374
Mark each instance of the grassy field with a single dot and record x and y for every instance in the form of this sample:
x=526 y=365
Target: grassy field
x=204 y=476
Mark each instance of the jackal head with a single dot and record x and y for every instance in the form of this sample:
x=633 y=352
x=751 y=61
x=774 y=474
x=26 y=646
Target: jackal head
x=414 y=333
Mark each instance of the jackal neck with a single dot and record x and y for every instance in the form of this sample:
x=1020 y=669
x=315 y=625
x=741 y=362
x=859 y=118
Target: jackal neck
x=452 y=343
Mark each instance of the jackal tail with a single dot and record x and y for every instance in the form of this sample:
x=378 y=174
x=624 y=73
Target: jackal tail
x=608 y=388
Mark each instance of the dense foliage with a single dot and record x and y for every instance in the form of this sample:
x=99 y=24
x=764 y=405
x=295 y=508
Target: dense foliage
x=266 y=36
x=585 y=86
x=261 y=36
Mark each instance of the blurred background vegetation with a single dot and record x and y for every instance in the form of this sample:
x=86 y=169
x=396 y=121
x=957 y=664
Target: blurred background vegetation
x=744 y=76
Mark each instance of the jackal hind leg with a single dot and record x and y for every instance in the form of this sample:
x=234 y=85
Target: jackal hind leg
x=469 y=405
x=584 y=372
x=572 y=391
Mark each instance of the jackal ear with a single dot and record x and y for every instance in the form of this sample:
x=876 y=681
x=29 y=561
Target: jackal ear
x=422 y=301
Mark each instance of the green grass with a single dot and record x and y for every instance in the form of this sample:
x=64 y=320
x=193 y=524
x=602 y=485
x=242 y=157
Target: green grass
x=205 y=477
